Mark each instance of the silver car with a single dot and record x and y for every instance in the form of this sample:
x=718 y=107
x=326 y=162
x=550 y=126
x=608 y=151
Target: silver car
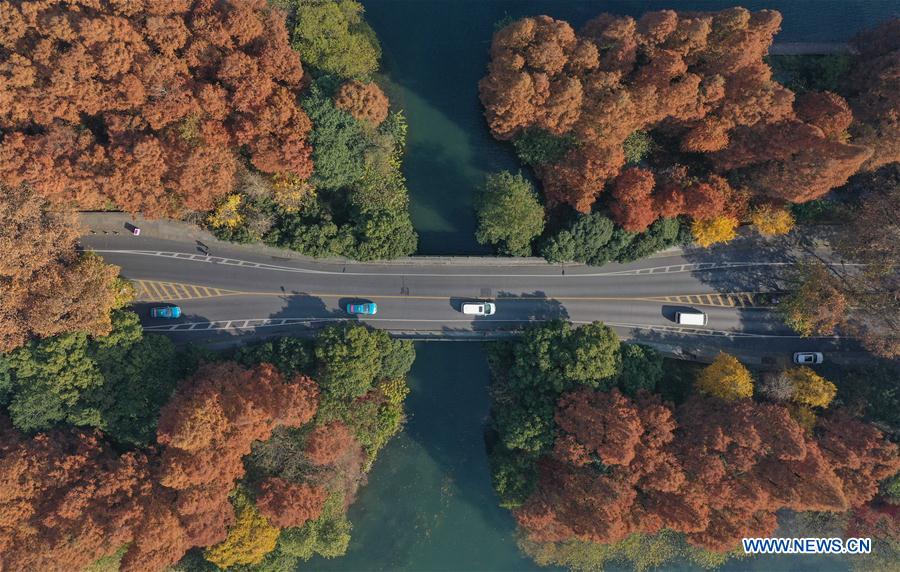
x=808 y=358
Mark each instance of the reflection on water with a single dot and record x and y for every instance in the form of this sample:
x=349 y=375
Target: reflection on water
x=436 y=51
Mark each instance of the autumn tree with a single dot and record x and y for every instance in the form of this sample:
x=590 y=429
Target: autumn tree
x=810 y=388
x=249 y=539
x=147 y=110
x=205 y=431
x=509 y=214
x=328 y=443
x=771 y=221
x=816 y=303
x=713 y=231
x=697 y=79
x=875 y=93
x=46 y=287
x=66 y=499
x=286 y=504
x=364 y=101
x=726 y=378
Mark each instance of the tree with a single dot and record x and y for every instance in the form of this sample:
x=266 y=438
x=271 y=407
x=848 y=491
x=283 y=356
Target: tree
x=327 y=536
x=249 y=539
x=334 y=38
x=712 y=231
x=632 y=206
x=347 y=361
x=726 y=378
x=364 y=101
x=286 y=504
x=46 y=287
x=67 y=499
x=116 y=383
x=874 y=93
x=810 y=388
x=509 y=214
x=815 y=303
x=642 y=369
x=770 y=221
x=697 y=78
x=161 y=105
x=328 y=443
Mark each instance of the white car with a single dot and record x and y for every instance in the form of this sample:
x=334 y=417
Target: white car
x=694 y=318
x=805 y=358
x=478 y=308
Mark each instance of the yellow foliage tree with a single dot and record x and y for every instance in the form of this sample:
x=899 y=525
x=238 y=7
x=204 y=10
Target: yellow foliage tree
x=726 y=378
x=810 y=388
x=804 y=416
x=250 y=538
x=228 y=213
x=395 y=390
x=289 y=191
x=771 y=221
x=718 y=229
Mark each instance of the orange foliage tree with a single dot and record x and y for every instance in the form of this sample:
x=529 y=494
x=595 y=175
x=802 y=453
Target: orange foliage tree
x=288 y=504
x=364 y=101
x=875 y=93
x=699 y=78
x=205 y=430
x=713 y=470
x=146 y=107
x=46 y=287
x=66 y=499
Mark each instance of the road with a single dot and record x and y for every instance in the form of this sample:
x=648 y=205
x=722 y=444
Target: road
x=238 y=293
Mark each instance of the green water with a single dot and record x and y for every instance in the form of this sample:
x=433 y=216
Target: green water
x=429 y=503
x=435 y=51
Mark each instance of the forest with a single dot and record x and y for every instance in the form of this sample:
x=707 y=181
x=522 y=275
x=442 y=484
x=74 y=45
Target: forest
x=605 y=452
x=215 y=460
x=672 y=129
x=262 y=123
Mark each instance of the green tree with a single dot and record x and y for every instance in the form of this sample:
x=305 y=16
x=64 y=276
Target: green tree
x=642 y=368
x=513 y=475
x=333 y=37
x=590 y=355
x=537 y=147
x=637 y=146
x=509 y=214
x=339 y=142
x=327 y=536
x=289 y=354
x=347 y=360
x=116 y=383
x=397 y=356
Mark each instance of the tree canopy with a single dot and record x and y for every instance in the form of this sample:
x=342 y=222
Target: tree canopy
x=509 y=214
x=166 y=98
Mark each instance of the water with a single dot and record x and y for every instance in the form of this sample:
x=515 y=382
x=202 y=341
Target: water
x=435 y=51
x=429 y=504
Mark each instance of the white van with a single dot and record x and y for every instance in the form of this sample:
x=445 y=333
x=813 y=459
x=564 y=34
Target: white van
x=691 y=318
x=478 y=308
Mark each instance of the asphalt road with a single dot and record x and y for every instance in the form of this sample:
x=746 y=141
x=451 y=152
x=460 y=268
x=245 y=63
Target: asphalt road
x=237 y=293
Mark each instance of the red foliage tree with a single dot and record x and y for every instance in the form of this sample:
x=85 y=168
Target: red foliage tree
x=875 y=99
x=713 y=470
x=66 y=499
x=206 y=429
x=364 y=101
x=146 y=109
x=288 y=504
x=699 y=77
x=632 y=206
x=328 y=443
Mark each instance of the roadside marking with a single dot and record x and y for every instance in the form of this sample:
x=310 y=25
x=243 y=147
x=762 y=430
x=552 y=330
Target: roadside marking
x=253 y=323
x=156 y=291
x=668 y=269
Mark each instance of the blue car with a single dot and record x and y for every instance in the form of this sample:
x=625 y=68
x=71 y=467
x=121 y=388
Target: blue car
x=368 y=308
x=165 y=312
